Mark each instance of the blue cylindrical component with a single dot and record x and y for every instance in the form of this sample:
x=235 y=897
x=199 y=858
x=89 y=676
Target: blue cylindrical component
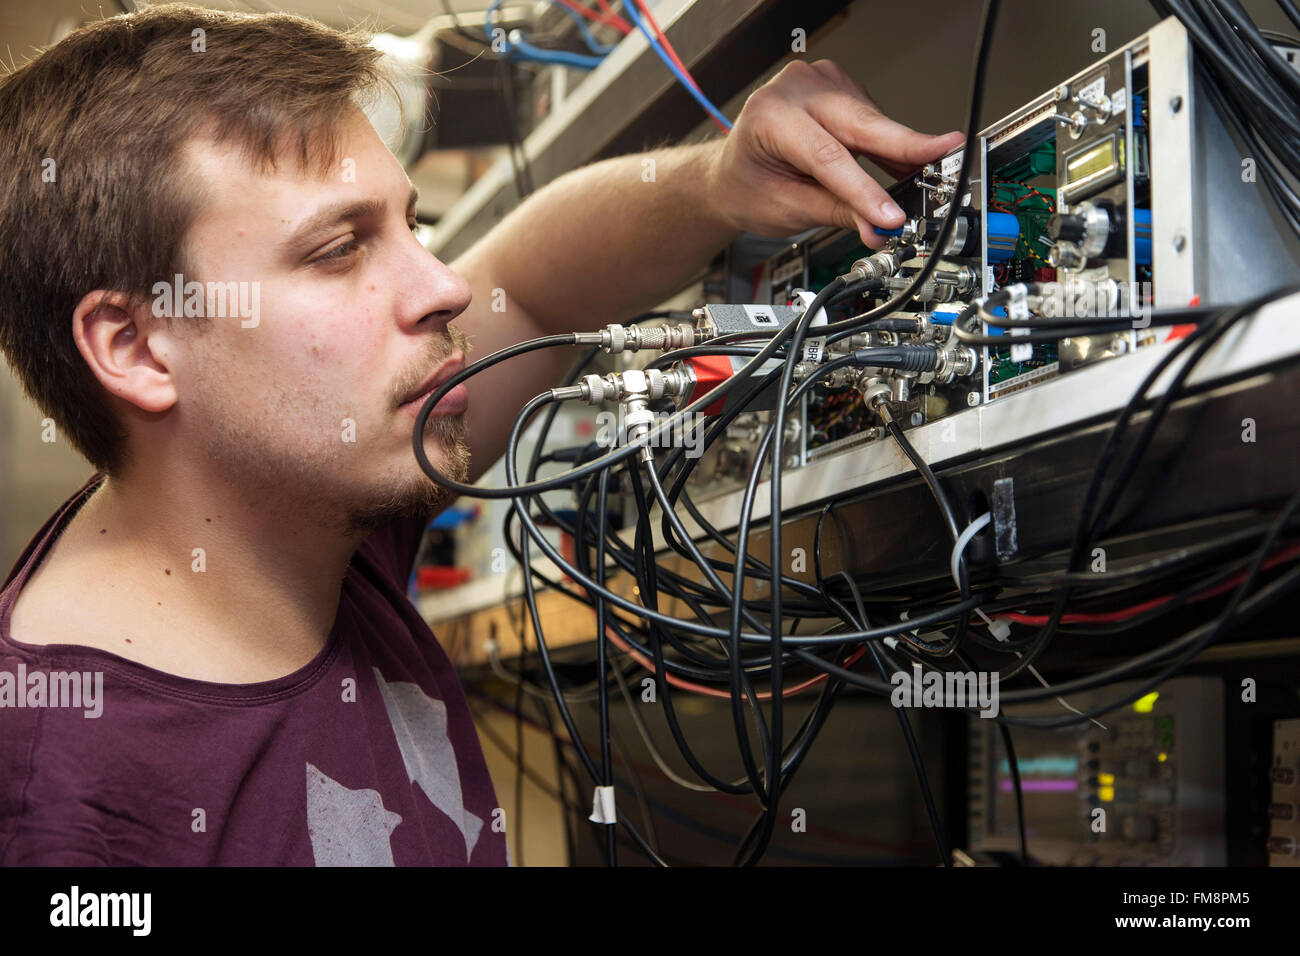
x=1004 y=234
x=1142 y=236
x=897 y=231
x=947 y=318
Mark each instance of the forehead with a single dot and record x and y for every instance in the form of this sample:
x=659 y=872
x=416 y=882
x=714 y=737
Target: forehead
x=237 y=189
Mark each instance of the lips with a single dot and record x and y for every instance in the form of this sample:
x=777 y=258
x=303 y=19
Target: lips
x=453 y=364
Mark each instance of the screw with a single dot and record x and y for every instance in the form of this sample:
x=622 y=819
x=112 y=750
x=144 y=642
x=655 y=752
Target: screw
x=1175 y=104
x=1180 y=242
x=972 y=399
x=1062 y=93
x=918 y=418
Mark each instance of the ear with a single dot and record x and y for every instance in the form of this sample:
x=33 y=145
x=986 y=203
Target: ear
x=126 y=349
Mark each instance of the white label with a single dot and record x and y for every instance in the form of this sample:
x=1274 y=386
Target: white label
x=951 y=165
x=1021 y=353
x=1119 y=102
x=761 y=316
x=814 y=350
x=1094 y=90
x=988 y=279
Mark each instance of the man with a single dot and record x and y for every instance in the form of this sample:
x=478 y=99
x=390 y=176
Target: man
x=208 y=281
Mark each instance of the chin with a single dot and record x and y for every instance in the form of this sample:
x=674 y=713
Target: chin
x=409 y=493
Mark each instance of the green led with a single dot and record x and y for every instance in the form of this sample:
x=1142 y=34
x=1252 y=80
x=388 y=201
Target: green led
x=1167 y=741
x=1165 y=723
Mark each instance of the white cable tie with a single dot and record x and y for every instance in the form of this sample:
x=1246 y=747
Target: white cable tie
x=1000 y=629
x=602 y=806
x=998 y=626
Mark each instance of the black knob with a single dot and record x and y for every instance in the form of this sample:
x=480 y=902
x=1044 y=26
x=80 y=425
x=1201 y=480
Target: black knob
x=1066 y=227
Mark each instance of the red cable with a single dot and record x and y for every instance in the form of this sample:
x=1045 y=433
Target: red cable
x=694 y=688
x=1104 y=617
x=609 y=20
x=672 y=55
x=609 y=12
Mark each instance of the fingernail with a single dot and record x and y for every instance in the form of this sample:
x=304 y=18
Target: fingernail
x=890 y=210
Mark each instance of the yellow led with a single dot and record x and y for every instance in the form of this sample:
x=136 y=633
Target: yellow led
x=1106 y=779
x=1107 y=794
x=1144 y=705
x=1162 y=757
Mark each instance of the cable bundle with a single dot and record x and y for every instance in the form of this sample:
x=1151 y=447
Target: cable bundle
x=1253 y=88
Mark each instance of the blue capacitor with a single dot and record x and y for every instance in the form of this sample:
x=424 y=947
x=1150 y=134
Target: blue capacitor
x=947 y=318
x=1004 y=234
x=1142 y=236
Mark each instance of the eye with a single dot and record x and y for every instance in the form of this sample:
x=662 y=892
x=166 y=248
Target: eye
x=341 y=251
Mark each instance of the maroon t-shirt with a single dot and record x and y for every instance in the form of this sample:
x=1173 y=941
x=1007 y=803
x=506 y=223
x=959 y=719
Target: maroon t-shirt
x=366 y=756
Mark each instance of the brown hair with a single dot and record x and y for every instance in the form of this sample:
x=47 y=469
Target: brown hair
x=94 y=191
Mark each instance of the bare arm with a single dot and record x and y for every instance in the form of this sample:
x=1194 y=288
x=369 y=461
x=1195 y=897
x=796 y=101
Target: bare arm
x=598 y=245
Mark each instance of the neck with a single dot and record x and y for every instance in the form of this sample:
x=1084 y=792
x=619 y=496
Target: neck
x=260 y=579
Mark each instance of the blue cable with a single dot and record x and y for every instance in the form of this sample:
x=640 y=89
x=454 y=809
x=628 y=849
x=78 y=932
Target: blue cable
x=629 y=8
x=521 y=49
x=598 y=48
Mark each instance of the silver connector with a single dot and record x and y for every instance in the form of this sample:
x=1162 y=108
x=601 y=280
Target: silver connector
x=632 y=338
x=644 y=384
x=879 y=266
x=959 y=361
x=876 y=395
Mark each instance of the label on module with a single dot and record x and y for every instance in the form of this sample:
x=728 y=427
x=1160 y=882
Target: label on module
x=951 y=165
x=761 y=316
x=1094 y=90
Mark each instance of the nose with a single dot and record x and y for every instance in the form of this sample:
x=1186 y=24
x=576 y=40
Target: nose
x=438 y=296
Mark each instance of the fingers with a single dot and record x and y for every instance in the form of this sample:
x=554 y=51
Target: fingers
x=840 y=79
x=814 y=120
x=812 y=205
x=862 y=127
x=847 y=111
x=814 y=151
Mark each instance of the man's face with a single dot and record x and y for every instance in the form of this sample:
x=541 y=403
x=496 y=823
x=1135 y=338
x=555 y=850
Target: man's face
x=305 y=402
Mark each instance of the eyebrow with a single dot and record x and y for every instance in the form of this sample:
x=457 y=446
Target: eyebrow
x=337 y=213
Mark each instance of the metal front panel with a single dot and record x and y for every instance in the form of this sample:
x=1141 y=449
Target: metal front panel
x=1175 y=168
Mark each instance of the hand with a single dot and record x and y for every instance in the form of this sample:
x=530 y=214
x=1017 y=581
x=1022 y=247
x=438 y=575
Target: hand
x=789 y=165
